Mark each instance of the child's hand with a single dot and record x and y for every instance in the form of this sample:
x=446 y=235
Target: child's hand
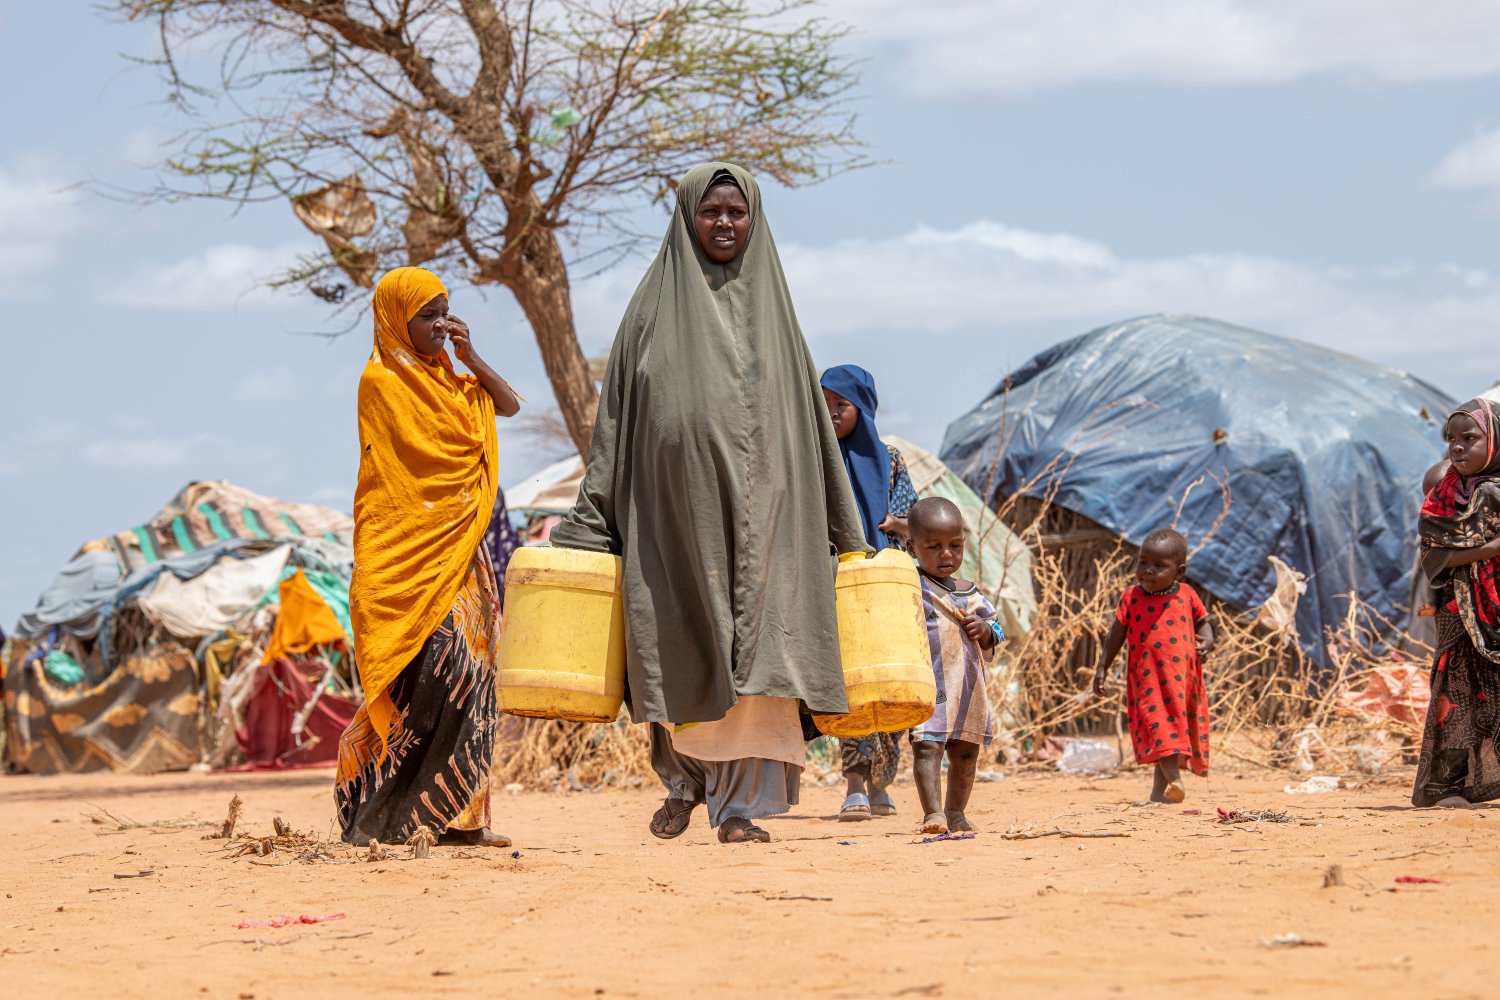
x=1101 y=685
x=458 y=334
x=979 y=630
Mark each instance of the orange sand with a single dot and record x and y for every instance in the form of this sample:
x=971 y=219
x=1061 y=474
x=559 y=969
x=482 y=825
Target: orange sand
x=595 y=906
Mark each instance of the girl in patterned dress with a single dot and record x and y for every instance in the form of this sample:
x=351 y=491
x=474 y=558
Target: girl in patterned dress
x=884 y=492
x=1167 y=627
x=963 y=635
x=1460 y=550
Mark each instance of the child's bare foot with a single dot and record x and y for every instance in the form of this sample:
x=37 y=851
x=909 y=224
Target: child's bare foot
x=935 y=823
x=1174 y=792
x=959 y=823
x=1158 y=785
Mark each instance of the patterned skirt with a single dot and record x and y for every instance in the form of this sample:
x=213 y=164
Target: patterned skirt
x=436 y=771
x=1461 y=738
x=876 y=757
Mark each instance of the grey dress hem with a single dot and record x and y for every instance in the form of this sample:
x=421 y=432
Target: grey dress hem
x=750 y=788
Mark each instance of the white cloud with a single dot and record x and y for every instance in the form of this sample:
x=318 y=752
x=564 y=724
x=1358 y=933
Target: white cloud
x=153 y=452
x=144 y=147
x=225 y=276
x=268 y=385
x=36 y=217
x=985 y=281
x=1472 y=167
x=960 y=47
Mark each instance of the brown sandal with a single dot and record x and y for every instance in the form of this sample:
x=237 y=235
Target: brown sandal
x=738 y=830
x=671 y=818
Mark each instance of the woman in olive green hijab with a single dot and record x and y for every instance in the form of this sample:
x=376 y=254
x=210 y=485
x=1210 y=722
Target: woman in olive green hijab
x=715 y=473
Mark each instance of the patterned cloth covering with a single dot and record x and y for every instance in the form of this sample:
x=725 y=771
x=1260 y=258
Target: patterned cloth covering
x=142 y=718
x=962 y=711
x=1165 y=700
x=436 y=768
x=210 y=511
x=102 y=673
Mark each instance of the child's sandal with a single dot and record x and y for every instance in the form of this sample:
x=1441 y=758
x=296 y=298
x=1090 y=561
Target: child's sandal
x=856 y=807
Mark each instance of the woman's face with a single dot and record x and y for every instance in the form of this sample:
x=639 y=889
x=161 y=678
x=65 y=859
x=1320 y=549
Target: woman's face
x=1467 y=446
x=722 y=223
x=426 y=328
x=844 y=413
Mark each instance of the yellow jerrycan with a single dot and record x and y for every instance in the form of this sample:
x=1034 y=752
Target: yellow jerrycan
x=562 y=639
x=883 y=639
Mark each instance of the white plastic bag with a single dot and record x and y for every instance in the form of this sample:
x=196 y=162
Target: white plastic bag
x=1084 y=756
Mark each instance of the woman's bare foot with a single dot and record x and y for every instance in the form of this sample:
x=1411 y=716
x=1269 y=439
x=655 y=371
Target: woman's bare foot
x=935 y=823
x=959 y=823
x=1174 y=792
x=484 y=837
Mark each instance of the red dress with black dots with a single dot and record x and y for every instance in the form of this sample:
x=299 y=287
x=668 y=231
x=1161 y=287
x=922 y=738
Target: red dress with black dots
x=1165 y=701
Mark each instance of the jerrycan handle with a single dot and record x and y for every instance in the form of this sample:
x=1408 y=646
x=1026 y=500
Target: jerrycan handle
x=851 y=556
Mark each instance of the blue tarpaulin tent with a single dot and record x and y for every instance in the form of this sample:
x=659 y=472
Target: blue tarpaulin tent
x=1323 y=454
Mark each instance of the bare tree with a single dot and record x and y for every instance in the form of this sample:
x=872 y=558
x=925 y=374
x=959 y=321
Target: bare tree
x=469 y=134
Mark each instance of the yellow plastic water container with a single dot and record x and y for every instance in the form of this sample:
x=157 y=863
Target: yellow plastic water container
x=883 y=639
x=562 y=640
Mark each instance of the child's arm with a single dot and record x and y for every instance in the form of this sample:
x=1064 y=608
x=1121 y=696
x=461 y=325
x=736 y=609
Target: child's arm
x=1112 y=644
x=507 y=404
x=1464 y=557
x=1205 y=636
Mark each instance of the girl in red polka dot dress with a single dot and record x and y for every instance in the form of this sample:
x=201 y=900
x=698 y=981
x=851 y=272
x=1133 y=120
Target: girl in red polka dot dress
x=1167 y=628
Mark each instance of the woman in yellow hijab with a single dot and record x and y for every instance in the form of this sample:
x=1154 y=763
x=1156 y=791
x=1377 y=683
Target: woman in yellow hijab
x=422 y=600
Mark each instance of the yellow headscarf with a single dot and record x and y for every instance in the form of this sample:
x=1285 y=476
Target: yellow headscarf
x=426 y=487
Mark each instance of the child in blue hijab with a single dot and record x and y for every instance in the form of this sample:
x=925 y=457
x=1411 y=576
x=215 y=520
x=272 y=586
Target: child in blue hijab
x=882 y=487
x=884 y=493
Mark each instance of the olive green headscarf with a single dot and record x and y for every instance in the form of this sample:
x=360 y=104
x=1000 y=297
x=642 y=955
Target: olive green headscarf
x=714 y=472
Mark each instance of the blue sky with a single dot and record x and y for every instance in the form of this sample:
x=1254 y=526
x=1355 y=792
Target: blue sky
x=1324 y=169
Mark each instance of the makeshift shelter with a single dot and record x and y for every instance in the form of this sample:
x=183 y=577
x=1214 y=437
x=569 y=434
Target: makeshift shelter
x=1148 y=422
x=538 y=502
x=159 y=647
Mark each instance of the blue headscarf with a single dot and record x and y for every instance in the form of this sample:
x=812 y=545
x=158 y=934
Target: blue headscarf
x=865 y=455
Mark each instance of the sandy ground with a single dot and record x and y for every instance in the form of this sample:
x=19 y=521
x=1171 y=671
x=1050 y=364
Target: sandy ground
x=593 y=905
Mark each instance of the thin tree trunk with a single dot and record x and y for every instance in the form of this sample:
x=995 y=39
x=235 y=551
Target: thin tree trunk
x=542 y=292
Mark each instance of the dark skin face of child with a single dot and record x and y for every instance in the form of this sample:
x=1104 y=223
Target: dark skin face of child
x=844 y=413
x=937 y=545
x=427 y=329
x=1158 y=568
x=1466 y=444
x=722 y=223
